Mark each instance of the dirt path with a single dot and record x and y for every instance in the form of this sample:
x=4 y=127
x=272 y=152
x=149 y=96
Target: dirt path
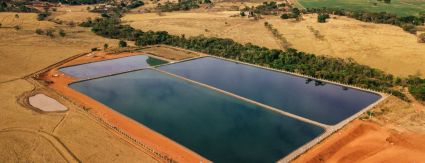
x=53 y=140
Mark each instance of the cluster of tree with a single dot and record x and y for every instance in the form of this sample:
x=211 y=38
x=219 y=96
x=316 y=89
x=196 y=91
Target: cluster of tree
x=267 y=8
x=417 y=87
x=295 y=13
x=181 y=5
x=336 y=69
x=15 y=6
x=43 y=15
x=76 y=2
x=321 y=17
x=408 y=23
x=50 y=32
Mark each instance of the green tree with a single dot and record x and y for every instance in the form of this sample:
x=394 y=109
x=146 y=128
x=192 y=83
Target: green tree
x=321 y=18
x=39 y=31
x=284 y=16
x=122 y=44
x=296 y=13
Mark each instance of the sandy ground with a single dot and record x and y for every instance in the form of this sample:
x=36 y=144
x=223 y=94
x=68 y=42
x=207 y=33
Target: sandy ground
x=28 y=136
x=396 y=127
x=386 y=47
x=46 y=103
x=362 y=141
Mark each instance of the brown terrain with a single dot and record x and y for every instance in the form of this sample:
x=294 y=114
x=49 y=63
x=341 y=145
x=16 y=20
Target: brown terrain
x=394 y=133
x=29 y=136
x=377 y=45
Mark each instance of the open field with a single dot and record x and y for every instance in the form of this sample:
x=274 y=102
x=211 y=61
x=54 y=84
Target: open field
x=28 y=136
x=399 y=7
x=74 y=13
x=342 y=37
x=24 y=51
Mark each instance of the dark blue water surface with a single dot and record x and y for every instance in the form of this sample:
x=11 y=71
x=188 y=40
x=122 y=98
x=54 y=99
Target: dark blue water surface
x=322 y=102
x=112 y=66
x=217 y=126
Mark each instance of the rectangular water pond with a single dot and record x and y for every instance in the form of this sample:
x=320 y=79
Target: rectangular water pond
x=219 y=127
x=112 y=66
x=322 y=102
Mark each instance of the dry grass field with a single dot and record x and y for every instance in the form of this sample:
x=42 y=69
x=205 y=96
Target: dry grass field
x=74 y=13
x=28 y=136
x=386 y=47
x=23 y=51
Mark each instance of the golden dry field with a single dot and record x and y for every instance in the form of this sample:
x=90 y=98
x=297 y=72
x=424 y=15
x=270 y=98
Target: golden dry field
x=28 y=136
x=74 y=13
x=385 y=47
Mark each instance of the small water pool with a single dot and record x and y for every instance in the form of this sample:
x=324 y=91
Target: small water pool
x=219 y=127
x=112 y=66
x=323 y=102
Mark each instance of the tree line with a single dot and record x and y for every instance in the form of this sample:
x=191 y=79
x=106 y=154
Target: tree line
x=181 y=5
x=342 y=70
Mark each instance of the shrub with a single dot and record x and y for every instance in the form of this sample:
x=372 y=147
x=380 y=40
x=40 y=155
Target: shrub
x=242 y=13
x=284 y=16
x=50 y=32
x=122 y=44
x=94 y=49
x=42 y=16
x=62 y=33
x=321 y=18
x=409 y=28
x=105 y=46
x=39 y=31
x=17 y=27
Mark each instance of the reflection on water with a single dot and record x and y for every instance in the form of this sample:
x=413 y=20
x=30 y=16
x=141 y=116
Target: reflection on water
x=218 y=127
x=113 y=66
x=323 y=102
